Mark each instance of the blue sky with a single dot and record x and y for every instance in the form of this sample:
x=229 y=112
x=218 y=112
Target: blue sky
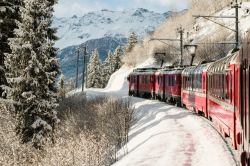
x=67 y=8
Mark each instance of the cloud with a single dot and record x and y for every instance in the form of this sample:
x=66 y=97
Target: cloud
x=67 y=8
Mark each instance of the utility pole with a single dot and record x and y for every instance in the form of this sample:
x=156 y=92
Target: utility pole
x=236 y=6
x=236 y=17
x=84 y=66
x=181 y=31
x=78 y=53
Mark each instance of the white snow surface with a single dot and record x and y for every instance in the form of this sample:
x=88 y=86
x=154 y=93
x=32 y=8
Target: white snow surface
x=166 y=135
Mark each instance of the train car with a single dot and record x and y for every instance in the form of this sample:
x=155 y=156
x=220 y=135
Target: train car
x=224 y=96
x=142 y=82
x=168 y=84
x=133 y=80
x=194 y=88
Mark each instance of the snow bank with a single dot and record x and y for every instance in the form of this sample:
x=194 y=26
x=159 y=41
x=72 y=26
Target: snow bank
x=166 y=135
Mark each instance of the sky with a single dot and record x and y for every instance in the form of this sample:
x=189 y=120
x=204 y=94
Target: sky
x=68 y=8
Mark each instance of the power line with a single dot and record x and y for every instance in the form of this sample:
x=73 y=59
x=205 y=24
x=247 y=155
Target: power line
x=180 y=30
x=236 y=17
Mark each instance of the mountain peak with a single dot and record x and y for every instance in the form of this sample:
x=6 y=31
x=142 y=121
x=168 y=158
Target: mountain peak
x=97 y=24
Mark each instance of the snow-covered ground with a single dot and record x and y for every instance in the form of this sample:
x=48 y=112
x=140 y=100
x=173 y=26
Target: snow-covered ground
x=165 y=135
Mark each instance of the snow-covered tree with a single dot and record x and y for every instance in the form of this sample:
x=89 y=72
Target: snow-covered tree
x=94 y=71
x=62 y=86
x=31 y=72
x=107 y=68
x=132 y=40
x=9 y=13
x=117 y=58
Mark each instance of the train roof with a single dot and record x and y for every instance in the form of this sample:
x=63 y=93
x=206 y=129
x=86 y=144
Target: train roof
x=145 y=70
x=170 y=70
x=223 y=64
x=196 y=69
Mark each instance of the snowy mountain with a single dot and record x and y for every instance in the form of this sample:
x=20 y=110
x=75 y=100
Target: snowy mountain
x=105 y=23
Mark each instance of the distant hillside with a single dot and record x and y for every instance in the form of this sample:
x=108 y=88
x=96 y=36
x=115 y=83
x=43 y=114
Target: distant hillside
x=68 y=56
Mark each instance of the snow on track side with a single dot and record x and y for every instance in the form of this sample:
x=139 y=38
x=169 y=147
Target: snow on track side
x=166 y=135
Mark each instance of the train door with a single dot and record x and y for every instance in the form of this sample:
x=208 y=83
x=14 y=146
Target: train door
x=244 y=98
x=163 y=86
x=137 y=85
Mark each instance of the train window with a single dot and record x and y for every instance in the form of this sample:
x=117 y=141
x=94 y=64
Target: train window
x=216 y=85
x=203 y=81
x=226 y=87
x=166 y=80
x=222 y=85
x=200 y=82
x=213 y=85
x=174 y=80
x=192 y=81
x=170 y=81
x=219 y=85
x=195 y=77
x=184 y=83
x=230 y=87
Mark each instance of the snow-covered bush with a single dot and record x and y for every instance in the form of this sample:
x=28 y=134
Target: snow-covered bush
x=102 y=125
x=91 y=132
x=12 y=152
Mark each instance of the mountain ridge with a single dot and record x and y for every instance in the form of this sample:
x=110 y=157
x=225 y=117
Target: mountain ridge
x=76 y=30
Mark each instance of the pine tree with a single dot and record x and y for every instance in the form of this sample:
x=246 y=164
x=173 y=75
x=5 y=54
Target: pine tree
x=132 y=40
x=117 y=58
x=32 y=68
x=107 y=68
x=94 y=71
x=9 y=13
x=62 y=87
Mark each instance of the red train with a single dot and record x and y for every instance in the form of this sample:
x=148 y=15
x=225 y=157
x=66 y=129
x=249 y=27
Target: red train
x=218 y=90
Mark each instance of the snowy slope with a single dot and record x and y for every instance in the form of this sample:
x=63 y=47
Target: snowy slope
x=98 y=24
